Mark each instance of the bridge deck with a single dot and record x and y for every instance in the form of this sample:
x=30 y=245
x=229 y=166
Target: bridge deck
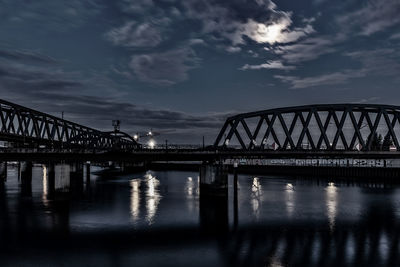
x=186 y=155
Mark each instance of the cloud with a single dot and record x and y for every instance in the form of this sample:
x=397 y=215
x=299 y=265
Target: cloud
x=270 y=32
x=325 y=79
x=240 y=19
x=197 y=41
x=395 y=36
x=135 y=6
x=133 y=34
x=233 y=49
x=382 y=61
x=306 y=50
x=228 y=25
x=378 y=62
x=21 y=55
x=51 y=90
x=164 y=68
x=48 y=14
x=272 y=64
x=368 y=100
x=375 y=16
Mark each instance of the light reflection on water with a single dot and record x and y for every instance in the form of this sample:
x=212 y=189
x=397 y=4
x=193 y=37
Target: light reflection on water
x=135 y=199
x=45 y=187
x=331 y=204
x=282 y=221
x=256 y=197
x=289 y=199
x=153 y=197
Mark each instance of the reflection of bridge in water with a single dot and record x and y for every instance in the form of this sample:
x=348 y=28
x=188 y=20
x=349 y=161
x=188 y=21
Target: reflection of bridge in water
x=371 y=239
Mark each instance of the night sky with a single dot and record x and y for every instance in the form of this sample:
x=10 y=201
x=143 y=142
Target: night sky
x=182 y=67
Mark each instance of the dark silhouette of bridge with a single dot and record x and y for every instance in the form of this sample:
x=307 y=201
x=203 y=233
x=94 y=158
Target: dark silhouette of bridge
x=314 y=131
x=347 y=127
x=25 y=127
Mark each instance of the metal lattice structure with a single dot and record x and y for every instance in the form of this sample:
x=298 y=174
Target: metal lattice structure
x=27 y=127
x=315 y=127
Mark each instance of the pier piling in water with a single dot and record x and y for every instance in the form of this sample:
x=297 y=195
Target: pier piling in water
x=214 y=197
x=76 y=178
x=3 y=172
x=26 y=177
x=51 y=179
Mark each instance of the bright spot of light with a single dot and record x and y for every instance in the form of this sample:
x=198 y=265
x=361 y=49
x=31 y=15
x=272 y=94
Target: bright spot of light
x=151 y=143
x=289 y=187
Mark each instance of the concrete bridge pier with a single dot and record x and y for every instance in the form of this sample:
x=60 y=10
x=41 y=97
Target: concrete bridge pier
x=76 y=178
x=87 y=168
x=51 y=180
x=26 y=177
x=214 y=198
x=3 y=173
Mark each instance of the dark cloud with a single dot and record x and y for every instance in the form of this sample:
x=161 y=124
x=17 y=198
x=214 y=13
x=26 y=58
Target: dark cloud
x=378 y=62
x=48 y=14
x=26 y=56
x=165 y=68
x=132 y=34
x=374 y=16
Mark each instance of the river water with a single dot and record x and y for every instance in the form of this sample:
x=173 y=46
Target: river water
x=154 y=219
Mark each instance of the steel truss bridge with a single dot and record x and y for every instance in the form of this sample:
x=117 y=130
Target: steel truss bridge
x=337 y=127
x=314 y=131
x=25 y=127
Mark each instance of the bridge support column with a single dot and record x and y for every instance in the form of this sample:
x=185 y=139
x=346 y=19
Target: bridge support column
x=213 y=179
x=3 y=172
x=87 y=167
x=26 y=178
x=76 y=178
x=214 y=198
x=51 y=180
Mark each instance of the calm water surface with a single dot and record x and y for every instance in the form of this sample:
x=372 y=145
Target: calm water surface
x=155 y=219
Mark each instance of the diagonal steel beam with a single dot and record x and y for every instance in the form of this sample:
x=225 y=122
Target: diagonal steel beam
x=309 y=137
x=305 y=127
x=286 y=131
x=339 y=130
x=356 y=128
x=390 y=126
x=322 y=129
x=292 y=126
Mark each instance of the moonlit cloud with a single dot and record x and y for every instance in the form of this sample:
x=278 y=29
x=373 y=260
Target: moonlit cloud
x=273 y=64
x=132 y=34
x=233 y=49
x=306 y=50
x=270 y=33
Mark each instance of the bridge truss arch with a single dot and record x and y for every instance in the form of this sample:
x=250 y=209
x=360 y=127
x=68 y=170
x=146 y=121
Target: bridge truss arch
x=349 y=127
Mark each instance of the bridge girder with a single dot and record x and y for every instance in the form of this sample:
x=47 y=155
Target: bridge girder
x=23 y=125
x=314 y=127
